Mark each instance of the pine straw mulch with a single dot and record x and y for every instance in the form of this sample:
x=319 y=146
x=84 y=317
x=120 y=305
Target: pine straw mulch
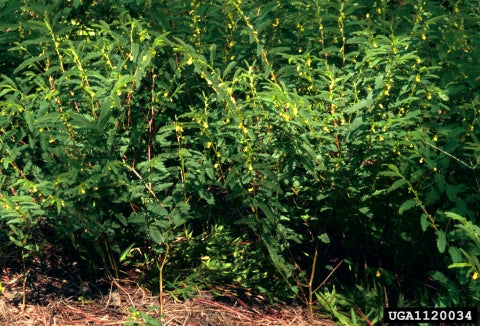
x=65 y=300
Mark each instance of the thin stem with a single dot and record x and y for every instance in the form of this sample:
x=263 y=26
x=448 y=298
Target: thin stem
x=160 y=281
x=310 y=286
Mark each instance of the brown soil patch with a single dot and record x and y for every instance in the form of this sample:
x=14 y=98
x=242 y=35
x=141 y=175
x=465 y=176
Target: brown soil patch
x=67 y=301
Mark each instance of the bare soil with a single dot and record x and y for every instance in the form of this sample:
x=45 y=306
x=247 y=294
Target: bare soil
x=62 y=298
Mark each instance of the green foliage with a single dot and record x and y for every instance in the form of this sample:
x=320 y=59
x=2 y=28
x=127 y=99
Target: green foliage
x=139 y=316
x=213 y=134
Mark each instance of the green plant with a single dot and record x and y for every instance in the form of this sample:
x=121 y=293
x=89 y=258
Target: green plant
x=212 y=134
x=463 y=250
x=138 y=318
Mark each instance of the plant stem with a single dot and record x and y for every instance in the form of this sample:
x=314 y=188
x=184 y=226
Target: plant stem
x=160 y=280
x=310 y=286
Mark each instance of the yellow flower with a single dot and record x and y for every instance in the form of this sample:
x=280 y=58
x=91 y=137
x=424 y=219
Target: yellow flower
x=475 y=276
x=378 y=274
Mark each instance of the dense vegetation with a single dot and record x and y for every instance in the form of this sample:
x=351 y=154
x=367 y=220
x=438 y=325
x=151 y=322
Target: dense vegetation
x=317 y=150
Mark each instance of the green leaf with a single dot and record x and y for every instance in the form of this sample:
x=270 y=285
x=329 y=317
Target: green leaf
x=122 y=219
x=455 y=216
x=58 y=203
x=15 y=241
x=158 y=210
x=18 y=220
x=459 y=265
x=134 y=53
x=441 y=240
x=213 y=50
x=379 y=81
x=232 y=176
x=451 y=191
x=229 y=68
x=440 y=181
x=156 y=235
x=397 y=184
x=407 y=205
x=443 y=96
x=30 y=62
x=360 y=105
x=356 y=125
x=6 y=162
x=267 y=211
x=440 y=277
x=388 y=174
x=324 y=238
x=424 y=222
x=125 y=253
x=455 y=254
x=394 y=168
x=366 y=211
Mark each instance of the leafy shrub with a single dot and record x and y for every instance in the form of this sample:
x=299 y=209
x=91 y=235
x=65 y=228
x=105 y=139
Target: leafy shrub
x=310 y=132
